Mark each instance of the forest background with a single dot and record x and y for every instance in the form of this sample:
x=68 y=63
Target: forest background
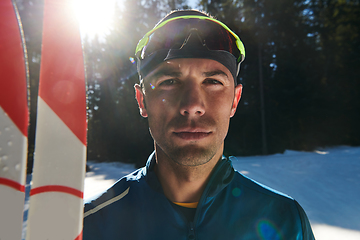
x=301 y=75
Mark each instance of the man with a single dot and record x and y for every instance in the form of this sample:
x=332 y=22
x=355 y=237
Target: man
x=188 y=66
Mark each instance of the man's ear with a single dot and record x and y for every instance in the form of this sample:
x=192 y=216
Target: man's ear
x=238 y=91
x=140 y=98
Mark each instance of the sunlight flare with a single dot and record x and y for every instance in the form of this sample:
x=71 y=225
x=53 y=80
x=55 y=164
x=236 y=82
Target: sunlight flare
x=95 y=16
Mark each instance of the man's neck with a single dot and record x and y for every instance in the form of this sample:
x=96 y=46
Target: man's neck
x=184 y=184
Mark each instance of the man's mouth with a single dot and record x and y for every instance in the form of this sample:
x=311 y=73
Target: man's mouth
x=192 y=134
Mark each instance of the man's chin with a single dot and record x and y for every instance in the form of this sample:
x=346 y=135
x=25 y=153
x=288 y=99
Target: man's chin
x=191 y=156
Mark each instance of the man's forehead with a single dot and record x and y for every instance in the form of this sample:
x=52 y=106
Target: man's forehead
x=177 y=67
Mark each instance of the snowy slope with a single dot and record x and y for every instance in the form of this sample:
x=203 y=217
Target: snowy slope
x=326 y=183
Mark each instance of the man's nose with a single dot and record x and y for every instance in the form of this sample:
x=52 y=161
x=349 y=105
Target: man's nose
x=192 y=101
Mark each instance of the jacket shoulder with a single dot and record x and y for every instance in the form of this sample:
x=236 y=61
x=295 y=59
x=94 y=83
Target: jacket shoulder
x=116 y=192
x=98 y=214
x=283 y=207
x=259 y=187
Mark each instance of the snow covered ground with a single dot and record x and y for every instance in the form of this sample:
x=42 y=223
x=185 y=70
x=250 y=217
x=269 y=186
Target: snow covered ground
x=326 y=183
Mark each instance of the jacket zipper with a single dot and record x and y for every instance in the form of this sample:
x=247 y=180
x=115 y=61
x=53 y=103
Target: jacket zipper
x=191 y=235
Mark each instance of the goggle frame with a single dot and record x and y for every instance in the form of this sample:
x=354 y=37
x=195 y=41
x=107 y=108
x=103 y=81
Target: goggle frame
x=145 y=40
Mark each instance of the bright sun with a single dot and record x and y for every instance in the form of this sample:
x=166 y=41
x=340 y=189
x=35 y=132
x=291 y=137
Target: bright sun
x=95 y=16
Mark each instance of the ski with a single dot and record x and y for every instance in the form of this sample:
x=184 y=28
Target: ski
x=56 y=195
x=14 y=119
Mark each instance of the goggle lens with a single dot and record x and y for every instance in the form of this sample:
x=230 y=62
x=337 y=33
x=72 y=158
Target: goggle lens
x=172 y=35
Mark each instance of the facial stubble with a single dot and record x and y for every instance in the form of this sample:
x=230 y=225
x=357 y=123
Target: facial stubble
x=193 y=153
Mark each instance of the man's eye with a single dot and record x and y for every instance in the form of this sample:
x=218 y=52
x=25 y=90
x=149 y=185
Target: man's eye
x=167 y=82
x=213 y=81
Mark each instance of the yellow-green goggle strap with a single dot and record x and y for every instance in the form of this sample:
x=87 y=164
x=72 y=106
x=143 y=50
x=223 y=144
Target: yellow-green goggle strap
x=144 y=41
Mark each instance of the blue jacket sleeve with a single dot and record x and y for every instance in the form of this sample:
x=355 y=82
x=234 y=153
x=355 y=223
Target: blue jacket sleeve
x=305 y=224
x=91 y=225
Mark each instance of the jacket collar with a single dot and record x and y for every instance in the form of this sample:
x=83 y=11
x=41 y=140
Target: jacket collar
x=221 y=176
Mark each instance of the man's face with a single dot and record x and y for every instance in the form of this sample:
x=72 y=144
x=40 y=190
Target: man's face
x=189 y=103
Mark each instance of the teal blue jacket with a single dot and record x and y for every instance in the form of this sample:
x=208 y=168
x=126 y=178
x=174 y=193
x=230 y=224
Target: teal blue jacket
x=232 y=206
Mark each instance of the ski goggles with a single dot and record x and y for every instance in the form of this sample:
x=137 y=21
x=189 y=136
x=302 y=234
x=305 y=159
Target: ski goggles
x=172 y=33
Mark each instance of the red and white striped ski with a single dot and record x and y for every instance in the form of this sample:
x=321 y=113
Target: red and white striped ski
x=14 y=118
x=56 y=196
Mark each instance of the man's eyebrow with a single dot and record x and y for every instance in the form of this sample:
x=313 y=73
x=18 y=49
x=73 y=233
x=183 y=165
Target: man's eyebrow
x=166 y=72
x=214 y=73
